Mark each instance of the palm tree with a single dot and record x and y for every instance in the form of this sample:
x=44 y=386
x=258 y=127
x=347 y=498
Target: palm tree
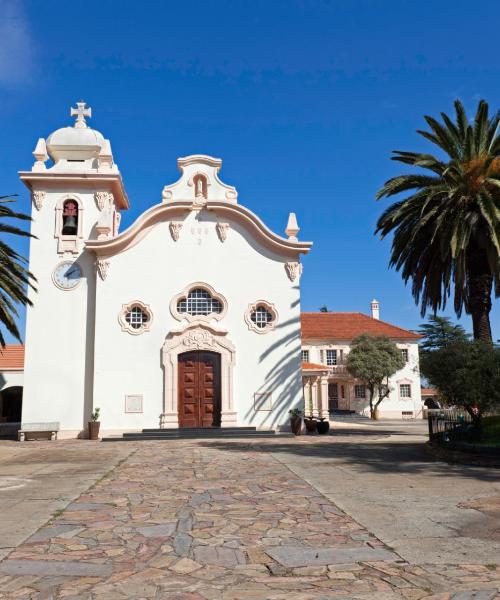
x=447 y=230
x=14 y=277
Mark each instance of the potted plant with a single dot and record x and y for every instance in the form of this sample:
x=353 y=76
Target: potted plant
x=94 y=425
x=310 y=424
x=295 y=420
x=322 y=425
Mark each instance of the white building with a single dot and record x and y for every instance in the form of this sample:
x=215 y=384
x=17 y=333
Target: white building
x=328 y=387
x=189 y=318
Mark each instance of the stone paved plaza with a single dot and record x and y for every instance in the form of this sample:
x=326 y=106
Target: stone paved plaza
x=209 y=519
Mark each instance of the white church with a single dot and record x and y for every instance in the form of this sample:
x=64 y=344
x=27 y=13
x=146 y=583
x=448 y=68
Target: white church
x=189 y=318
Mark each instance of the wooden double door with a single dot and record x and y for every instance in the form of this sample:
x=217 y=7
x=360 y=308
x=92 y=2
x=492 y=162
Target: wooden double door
x=199 y=384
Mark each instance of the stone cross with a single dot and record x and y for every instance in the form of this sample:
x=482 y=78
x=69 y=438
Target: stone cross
x=80 y=112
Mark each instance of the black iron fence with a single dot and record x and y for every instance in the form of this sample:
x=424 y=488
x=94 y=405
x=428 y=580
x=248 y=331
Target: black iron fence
x=450 y=425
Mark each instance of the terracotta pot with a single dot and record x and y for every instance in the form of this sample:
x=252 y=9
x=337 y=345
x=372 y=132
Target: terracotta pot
x=296 y=424
x=94 y=430
x=310 y=425
x=323 y=427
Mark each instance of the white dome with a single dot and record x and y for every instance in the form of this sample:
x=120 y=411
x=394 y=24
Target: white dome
x=74 y=143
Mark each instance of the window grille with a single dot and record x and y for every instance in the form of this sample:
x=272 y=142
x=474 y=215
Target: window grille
x=359 y=391
x=261 y=317
x=305 y=355
x=405 y=390
x=404 y=354
x=331 y=357
x=136 y=317
x=199 y=302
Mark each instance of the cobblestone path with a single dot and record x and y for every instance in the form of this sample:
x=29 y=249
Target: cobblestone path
x=187 y=521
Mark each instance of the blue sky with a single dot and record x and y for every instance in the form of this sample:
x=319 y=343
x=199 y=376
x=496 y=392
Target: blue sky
x=303 y=100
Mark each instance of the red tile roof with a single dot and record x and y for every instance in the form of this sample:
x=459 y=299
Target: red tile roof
x=12 y=357
x=428 y=391
x=346 y=326
x=307 y=366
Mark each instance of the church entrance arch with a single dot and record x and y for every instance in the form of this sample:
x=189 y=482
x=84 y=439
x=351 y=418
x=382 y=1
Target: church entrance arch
x=200 y=342
x=199 y=391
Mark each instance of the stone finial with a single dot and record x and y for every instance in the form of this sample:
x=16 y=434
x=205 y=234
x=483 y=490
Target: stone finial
x=292 y=227
x=105 y=156
x=104 y=225
x=375 y=306
x=41 y=156
x=80 y=112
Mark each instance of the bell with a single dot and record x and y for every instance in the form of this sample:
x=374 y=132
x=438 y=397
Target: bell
x=69 y=226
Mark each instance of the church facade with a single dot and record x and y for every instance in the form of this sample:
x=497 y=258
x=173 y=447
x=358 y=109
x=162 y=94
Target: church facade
x=189 y=318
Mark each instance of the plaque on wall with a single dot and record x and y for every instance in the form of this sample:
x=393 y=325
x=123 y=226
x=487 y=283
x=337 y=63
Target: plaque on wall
x=262 y=401
x=133 y=403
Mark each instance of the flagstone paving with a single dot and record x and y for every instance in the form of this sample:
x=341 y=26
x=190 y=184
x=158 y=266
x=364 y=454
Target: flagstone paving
x=187 y=520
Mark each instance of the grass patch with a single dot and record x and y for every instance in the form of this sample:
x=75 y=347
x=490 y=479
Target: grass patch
x=491 y=431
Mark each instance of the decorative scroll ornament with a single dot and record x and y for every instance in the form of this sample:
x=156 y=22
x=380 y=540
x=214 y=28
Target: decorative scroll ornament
x=222 y=229
x=199 y=339
x=293 y=270
x=102 y=267
x=175 y=229
x=103 y=199
x=38 y=197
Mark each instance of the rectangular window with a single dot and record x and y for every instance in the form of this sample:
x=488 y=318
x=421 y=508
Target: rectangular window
x=331 y=357
x=404 y=354
x=359 y=391
x=305 y=355
x=405 y=390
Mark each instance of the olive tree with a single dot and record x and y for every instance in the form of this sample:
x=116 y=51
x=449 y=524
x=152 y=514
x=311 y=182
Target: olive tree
x=467 y=374
x=372 y=360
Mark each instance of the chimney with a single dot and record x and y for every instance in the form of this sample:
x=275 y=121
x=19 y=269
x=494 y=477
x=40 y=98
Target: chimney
x=375 y=309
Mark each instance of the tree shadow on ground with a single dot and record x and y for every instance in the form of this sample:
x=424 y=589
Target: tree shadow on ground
x=375 y=455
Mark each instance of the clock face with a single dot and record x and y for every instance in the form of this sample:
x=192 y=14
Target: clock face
x=67 y=275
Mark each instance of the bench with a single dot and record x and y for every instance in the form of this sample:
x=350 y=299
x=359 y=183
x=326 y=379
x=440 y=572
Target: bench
x=38 y=431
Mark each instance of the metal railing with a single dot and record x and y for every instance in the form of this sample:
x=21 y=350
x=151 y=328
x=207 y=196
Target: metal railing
x=449 y=425
x=339 y=369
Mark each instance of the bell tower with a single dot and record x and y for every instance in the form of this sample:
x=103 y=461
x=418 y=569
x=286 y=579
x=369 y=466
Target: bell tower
x=77 y=194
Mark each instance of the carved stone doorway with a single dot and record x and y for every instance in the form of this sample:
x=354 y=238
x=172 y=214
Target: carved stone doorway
x=197 y=336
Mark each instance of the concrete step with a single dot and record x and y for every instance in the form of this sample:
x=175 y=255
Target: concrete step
x=197 y=429
x=136 y=437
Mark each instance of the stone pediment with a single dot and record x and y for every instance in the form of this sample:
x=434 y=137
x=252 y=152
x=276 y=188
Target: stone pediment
x=199 y=182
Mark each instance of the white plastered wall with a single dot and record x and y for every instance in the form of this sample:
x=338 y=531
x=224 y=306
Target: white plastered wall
x=157 y=268
x=60 y=325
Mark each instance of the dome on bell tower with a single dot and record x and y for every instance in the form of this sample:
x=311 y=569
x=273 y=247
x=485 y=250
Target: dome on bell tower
x=77 y=144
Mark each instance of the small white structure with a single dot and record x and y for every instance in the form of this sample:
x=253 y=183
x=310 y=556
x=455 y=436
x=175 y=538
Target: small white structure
x=328 y=386
x=190 y=317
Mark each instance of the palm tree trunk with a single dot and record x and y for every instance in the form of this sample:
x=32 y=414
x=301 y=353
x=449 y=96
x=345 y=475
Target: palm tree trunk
x=480 y=283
